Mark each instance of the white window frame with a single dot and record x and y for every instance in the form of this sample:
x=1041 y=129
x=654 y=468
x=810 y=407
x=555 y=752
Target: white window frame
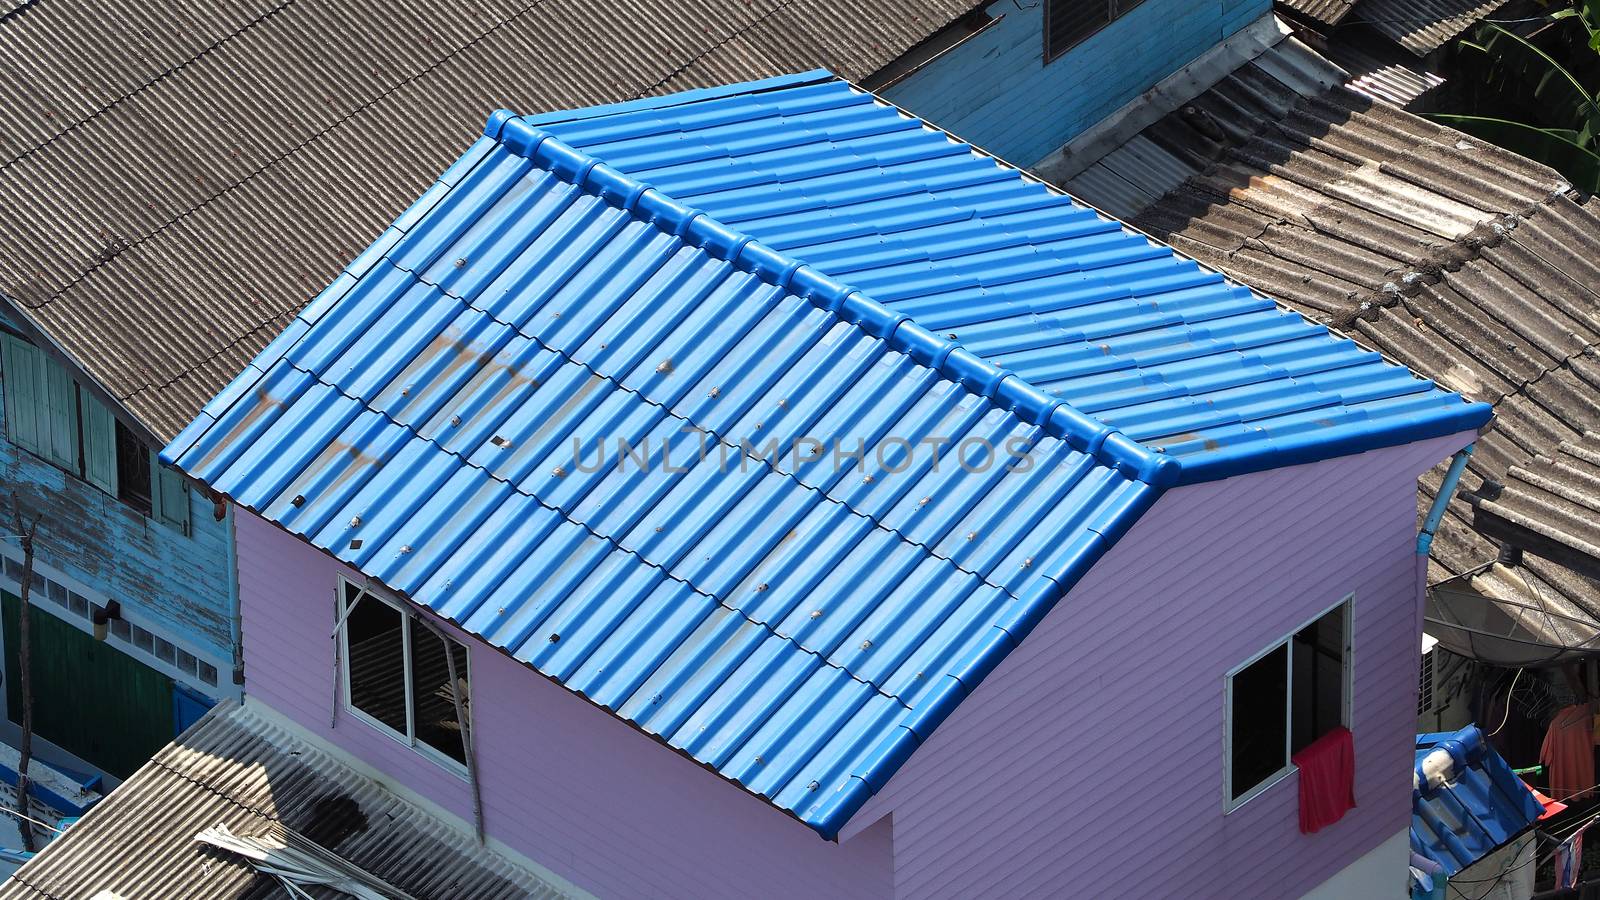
x=1229 y=803
x=368 y=593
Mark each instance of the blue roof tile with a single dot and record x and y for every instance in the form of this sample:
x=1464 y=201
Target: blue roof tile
x=1465 y=802
x=798 y=619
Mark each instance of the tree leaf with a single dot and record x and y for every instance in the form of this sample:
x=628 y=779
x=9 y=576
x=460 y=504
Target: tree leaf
x=1555 y=89
x=1555 y=148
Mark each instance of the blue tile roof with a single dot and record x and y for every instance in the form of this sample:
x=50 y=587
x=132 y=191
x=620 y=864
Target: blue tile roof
x=1466 y=802
x=799 y=625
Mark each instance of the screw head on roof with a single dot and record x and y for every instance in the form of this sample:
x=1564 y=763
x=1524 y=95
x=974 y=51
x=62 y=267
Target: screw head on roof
x=816 y=614
x=558 y=472
x=866 y=479
x=783 y=404
x=405 y=548
x=554 y=638
x=924 y=501
x=714 y=393
x=660 y=528
x=461 y=262
x=355 y=521
x=759 y=761
x=455 y=421
x=972 y=535
x=866 y=645
x=951 y=335
x=664 y=366
x=1027 y=563
x=299 y=500
x=761 y=587
x=813 y=786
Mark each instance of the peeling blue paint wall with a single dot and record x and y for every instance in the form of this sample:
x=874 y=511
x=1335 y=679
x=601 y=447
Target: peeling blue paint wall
x=996 y=92
x=176 y=586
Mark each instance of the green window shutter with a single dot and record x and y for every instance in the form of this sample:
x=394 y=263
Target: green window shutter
x=169 y=495
x=24 y=394
x=99 y=445
x=62 y=400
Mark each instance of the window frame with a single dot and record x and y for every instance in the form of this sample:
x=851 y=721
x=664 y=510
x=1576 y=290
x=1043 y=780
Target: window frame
x=1115 y=9
x=342 y=651
x=1229 y=802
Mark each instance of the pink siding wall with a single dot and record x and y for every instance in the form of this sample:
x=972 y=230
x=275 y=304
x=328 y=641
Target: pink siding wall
x=564 y=783
x=1090 y=763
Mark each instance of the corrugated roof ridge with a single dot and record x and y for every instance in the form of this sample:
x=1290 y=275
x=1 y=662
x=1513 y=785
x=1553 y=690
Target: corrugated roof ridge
x=1108 y=445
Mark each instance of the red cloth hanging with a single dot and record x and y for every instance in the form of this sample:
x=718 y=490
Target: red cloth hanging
x=1327 y=779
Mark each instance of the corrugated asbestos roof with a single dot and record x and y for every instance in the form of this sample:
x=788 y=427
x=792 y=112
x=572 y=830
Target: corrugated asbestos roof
x=799 y=625
x=1551 y=506
x=1465 y=802
x=179 y=179
x=236 y=769
x=1423 y=26
x=1458 y=259
x=1328 y=12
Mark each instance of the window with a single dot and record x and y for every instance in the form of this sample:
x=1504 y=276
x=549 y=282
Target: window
x=397 y=675
x=1425 y=684
x=1285 y=698
x=48 y=415
x=1068 y=22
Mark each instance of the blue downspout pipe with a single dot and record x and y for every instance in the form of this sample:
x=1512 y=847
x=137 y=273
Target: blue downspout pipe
x=1447 y=489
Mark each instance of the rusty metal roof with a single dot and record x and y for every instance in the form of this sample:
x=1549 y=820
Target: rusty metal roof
x=1328 y=12
x=1458 y=259
x=1423 y=26
x=179 y=179
x=238 y=769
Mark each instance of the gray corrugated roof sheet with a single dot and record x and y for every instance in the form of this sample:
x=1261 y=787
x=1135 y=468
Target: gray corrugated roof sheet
x=1328 y=12
x=237 y=769
x=1551 y=505
x=1465 y=262
x=1423 y=26
x=180 y=179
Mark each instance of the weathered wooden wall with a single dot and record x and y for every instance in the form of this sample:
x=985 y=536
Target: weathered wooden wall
x=173 y=584
x=995 y=90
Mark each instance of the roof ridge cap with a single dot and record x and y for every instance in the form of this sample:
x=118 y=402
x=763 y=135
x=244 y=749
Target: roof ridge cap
x=1107 y=444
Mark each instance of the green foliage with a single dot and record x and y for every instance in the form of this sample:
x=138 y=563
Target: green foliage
x=1562 y=127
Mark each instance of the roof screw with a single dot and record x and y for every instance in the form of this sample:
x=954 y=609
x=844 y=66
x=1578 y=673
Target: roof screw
x=299 y=500
x=455 y=421
x=461 y=262
x=556 y=314
x=558 y=472
x=783 y=404
x=972 y=535
x=759 y=761
x=660 y=528
x=761 y=587
x=866 y=645
x=1027 y=563
x=405 y=391
x=866 y=479
x=554 y=638
x=816 y=614
x=951 y=335
x=664 y=367
x=714 y=393
x=355 y=521
x=813 y=786
x=404 y=549
x=924 y=501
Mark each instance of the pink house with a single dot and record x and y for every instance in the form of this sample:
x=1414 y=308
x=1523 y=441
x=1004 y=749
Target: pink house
x=757 y=492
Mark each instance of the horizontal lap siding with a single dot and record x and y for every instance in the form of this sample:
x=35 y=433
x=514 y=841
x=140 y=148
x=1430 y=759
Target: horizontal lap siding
x=995 y=90
x=172 y=583
x=1091 y=760
x=563 y=782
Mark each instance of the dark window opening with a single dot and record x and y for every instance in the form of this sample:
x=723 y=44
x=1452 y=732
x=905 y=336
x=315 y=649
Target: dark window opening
x=1285 y=700
x=1260 y=697
x=375 y=647
x=133 y=471
x=398 y=674
x=1068 y=23
x=1319 y=654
